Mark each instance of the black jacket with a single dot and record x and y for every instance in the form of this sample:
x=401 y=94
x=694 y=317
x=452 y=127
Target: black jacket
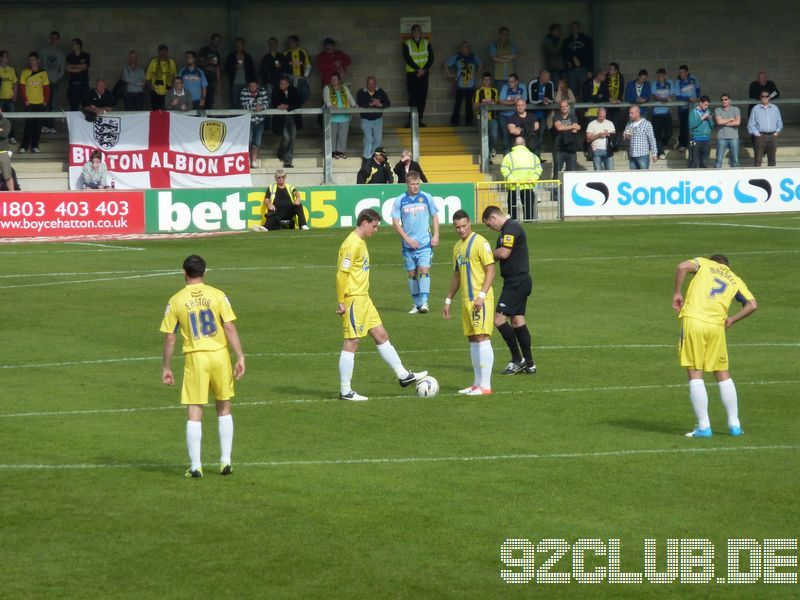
x=374 y=172
x=273 y=68
x=290 y=97
x=363 y=99
x=249 y=67
x=400 y=171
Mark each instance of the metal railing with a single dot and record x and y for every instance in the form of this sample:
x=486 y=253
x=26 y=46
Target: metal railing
x=326 y=112
x=525 y=201
x=485 y=108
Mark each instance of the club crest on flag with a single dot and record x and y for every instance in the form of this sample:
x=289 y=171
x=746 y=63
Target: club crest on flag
x=106 y=131
x=212 y=134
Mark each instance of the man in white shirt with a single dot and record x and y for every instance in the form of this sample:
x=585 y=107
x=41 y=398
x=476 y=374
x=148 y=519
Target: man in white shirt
x=599 y=134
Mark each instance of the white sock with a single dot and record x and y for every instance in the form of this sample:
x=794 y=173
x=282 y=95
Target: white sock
x=347 y=361
x=727 y=392
x=225 y=439
x=475 y=355
x=699 y=398
x=194 y=435
x=486 y=354
x=389 y=354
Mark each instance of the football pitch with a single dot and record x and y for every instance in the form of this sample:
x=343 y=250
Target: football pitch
x=399 y=496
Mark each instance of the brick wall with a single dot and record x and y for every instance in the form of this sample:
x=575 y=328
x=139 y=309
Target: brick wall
x=724 y=43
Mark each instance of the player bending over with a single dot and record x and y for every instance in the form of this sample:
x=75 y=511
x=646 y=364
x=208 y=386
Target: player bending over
x=704 y=319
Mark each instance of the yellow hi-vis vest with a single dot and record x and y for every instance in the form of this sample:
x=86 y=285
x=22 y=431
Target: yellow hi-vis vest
x=419 y=54
x=521 y=165
x=274 y=188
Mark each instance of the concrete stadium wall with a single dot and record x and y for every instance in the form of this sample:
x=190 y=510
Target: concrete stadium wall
x=724 y=43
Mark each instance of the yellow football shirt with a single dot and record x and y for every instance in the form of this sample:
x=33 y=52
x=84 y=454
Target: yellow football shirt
x=8 y=77
x=199 y=311
x=354 y=260
x=711 y=291
x=470 y=257
x=34 y=85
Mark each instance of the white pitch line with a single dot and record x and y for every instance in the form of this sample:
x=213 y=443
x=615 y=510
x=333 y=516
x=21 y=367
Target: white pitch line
x=400 y=460
x=161 y=272
x=452 y=395
x=74 y=273
x=109 y=249
x=744 y=225
x=97 y=245
x=100 y=361
x=51 y=283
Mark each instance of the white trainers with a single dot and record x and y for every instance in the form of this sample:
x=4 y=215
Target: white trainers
x=411 y=378
x=305 y=227
x=467 y=390
x=353 y=396
x=424 y=308
x=479 y=391
x=258 y=228
x=414 y=310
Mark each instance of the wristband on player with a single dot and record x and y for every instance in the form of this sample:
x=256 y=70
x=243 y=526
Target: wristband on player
x=481 y=294
x=448 y=300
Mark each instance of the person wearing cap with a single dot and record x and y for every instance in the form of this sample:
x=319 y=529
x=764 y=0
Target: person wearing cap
x=160 y=74
x=331 y=61
x=282 y=205
x=5 y=157
x=376 y=169
x=418 y=58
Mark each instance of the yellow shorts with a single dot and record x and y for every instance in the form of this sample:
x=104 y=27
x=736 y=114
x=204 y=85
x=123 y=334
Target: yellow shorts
x=479 y=322
x=702 y=345
x=206 y=371
x=360 y=315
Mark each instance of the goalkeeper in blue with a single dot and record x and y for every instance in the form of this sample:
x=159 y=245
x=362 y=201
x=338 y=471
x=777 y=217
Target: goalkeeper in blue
x=412 y=216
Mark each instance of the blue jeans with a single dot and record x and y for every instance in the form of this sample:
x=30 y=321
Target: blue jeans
x=602 y=161
x=373 y=134
x=639 y=162
x=733 y=148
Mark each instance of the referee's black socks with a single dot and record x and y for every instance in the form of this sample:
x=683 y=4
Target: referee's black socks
x=523 y=336
x=508 y=333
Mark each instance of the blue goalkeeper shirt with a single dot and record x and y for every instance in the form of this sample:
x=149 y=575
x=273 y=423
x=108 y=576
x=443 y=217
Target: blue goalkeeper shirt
x=415 y=212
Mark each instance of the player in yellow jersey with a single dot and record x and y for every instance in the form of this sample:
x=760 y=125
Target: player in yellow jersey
x=205 y=318
x=474 y=270
x=359 y=315
x=704 y=319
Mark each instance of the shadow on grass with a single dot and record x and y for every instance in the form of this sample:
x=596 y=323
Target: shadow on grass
x=647 y=425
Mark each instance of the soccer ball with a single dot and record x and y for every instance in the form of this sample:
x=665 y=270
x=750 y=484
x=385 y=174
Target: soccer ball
x=427 y=387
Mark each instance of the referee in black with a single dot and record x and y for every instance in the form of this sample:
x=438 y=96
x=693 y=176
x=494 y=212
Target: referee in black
x=509 y=317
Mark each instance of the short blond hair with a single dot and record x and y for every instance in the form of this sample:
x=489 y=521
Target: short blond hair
x=280 y=173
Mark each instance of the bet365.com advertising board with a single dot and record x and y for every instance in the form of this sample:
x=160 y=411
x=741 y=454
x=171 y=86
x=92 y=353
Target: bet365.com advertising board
x=178 y=211
x=689 y=192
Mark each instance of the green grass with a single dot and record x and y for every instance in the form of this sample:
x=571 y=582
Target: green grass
x=398 y=496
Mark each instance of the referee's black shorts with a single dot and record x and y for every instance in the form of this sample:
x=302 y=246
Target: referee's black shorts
x=514 y=296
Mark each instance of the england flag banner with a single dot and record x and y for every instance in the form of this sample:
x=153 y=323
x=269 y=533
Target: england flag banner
x=162 y=150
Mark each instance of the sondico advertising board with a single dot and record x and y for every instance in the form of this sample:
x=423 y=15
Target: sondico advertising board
x=685 y=192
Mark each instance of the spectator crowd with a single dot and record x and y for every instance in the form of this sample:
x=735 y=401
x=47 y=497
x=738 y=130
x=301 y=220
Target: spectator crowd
x=642 y=121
